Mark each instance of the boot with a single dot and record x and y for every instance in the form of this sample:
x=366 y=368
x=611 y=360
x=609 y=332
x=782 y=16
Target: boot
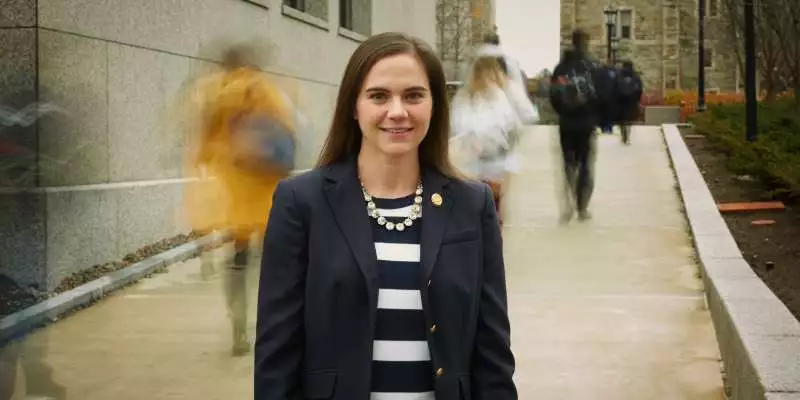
x=206 y=265
x=240 y=258
x=241 y=346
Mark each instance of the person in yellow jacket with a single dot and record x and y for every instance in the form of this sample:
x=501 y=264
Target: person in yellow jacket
x=233 y=161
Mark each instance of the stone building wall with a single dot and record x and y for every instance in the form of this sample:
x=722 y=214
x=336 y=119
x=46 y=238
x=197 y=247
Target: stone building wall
x=104 y=176
x=663 y=45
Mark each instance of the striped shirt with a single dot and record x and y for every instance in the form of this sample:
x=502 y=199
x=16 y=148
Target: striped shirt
x=401 y=361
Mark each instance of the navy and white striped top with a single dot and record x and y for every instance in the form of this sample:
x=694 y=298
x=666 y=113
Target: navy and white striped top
x=401 y=361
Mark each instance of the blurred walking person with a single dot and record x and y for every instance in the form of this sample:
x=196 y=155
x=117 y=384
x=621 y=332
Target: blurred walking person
x=516 y=87
x=629 y=91
x=575 y=98
x=608 y=104
x=28 y=355
x=244 y=145
x=483 y=118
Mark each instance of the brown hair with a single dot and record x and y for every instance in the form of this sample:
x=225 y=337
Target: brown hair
x=486 y=72
x=344 y=137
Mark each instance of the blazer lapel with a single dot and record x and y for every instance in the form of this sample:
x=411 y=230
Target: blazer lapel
x=434 y=220
x=350 y=211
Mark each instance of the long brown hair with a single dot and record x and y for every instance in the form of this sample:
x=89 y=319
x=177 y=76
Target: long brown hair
x=486 y=72
x=344 y=137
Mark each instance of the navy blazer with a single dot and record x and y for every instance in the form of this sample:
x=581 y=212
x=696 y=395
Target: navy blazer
x=318 y=291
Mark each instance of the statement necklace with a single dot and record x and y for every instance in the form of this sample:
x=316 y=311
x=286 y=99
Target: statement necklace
x=414 y=212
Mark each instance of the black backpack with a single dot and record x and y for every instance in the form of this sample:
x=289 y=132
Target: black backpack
x=605 y=79
x=629 y=87
x=575 y=86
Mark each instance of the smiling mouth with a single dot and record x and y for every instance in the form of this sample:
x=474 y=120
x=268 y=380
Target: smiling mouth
x=396 y=130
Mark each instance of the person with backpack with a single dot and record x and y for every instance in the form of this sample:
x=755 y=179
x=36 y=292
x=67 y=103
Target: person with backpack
x=629 y=90
x=575 y=98
x=608 y=106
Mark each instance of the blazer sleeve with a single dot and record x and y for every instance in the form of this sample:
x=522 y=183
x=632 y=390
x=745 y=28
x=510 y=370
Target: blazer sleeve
x=492 y=359
x=279 y=327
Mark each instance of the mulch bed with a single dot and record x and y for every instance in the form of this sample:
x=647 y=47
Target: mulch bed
x=773 y=249
x=13 y=298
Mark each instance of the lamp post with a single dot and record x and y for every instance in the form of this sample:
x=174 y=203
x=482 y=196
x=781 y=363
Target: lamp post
x=701 y=56
x=751 y=104
x=614 y=51
x=611 y=21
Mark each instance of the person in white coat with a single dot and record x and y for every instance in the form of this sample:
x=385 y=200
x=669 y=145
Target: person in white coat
x=517 y=87
x=482 y=118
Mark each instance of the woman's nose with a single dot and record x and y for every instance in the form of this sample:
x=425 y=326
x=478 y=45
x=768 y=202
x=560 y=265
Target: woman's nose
x=397 y=109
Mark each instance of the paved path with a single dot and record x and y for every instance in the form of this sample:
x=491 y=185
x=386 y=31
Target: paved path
x=608 y=309
x=164 y=338
x=611 y=308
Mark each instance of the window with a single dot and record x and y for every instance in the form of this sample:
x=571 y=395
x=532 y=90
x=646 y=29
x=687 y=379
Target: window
x=296 y=4
x=625 y=19
x=708 y=58
x=316 y=8
x=346 y=14
x=624 y=25
x=712 y=8
x=356 y=16
x=671 y=83
x=670 y=78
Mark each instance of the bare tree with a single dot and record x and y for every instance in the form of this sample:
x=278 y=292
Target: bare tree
x=783 y=19
x=456 y=31
x=777 y=41
x=732 y=12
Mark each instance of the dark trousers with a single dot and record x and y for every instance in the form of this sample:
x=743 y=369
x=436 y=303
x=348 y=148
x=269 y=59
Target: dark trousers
x=577 y=148
x=237 y=277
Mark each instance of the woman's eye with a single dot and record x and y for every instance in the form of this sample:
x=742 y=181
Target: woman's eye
x=415 y=96
x=377 y=96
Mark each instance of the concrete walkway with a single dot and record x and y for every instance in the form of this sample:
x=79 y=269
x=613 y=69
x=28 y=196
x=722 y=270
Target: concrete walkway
x=608 y=309
x=164 y=338
x=611 y=308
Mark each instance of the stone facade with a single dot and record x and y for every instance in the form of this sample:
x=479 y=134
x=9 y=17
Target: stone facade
x=460 y=26
x=102 y=176
x=663 y=41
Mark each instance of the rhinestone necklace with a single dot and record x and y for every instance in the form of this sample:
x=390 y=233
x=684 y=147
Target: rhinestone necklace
x=413 y=214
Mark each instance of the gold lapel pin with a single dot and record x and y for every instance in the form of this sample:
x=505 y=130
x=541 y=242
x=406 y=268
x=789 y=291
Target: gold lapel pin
x=436 y=199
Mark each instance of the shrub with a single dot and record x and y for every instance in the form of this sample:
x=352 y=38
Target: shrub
x=774 y=159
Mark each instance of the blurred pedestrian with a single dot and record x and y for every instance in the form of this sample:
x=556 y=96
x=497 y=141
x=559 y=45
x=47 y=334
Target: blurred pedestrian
x=243 y=146
x=629 y=91
x=575 y=97
x=482 y=121
x=516 y=87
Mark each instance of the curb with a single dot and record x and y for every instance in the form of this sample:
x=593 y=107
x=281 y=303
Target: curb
x=758 y=336
x=25 y=321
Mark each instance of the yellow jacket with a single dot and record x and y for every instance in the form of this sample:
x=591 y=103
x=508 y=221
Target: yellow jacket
x=226 y=195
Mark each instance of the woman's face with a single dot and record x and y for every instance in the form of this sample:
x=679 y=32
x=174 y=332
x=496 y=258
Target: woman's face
x=394 y=107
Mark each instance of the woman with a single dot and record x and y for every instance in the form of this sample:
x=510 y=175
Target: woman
x=483 y=119
x=238 y=112
x=382 y=275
